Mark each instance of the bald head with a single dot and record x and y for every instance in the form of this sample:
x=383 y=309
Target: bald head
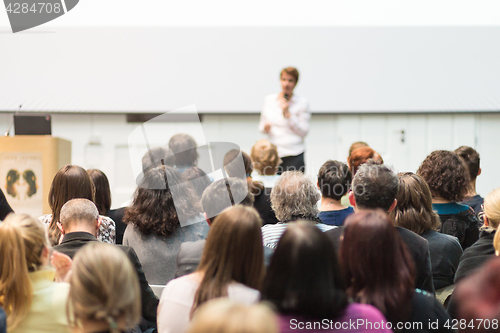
x=79 y=215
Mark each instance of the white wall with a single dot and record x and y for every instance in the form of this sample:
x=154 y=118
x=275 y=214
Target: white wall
x=101 y=141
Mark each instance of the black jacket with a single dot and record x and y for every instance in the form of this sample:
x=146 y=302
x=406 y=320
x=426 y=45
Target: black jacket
x=476 y=255
x=74 y=241
x=418 y=248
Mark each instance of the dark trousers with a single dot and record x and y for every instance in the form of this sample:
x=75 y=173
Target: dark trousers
x=292 y=163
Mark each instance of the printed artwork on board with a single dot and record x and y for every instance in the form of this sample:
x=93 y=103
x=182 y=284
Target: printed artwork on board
x=21 y=178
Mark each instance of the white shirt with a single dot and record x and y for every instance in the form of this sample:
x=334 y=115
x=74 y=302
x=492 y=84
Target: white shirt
x=271 y=233
x=178 y=298
x=287 y=134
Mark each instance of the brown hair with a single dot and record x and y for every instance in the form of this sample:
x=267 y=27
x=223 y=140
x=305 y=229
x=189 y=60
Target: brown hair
x=102 y=190
x=265 y=157
x=471 y=159
x=184 y=148
x=22 y=240
x=233 y=252
x=358 y=157
x=104 y=288
x=233 y=169
x=377 y=265
x=153 y=209
x=446 y=175
x=334 y=179
x=70 y=182
x=356 y=145
x=291 y=71
x=414 y=209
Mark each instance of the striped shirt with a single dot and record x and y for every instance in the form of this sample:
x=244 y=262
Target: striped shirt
x=271 y=233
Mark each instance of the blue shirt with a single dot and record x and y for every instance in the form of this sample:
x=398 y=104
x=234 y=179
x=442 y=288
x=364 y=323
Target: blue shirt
x=335 y=217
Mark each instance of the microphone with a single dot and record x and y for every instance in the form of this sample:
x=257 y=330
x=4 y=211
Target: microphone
x=286 y=96
x=12 y=122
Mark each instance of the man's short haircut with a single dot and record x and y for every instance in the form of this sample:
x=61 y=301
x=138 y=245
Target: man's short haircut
x=291 y=71
x=81 y=210
x=334 y=179
x=153 y=157
x=215 y=197
x=184 y=148
x=294 y=195
x=471 y=159
x=374 y=186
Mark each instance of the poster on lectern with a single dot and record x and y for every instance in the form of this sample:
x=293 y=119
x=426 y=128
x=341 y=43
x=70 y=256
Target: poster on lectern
x=21 y=179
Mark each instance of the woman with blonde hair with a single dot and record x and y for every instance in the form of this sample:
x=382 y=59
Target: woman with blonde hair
x=32 y=301
x=232 y=266
x=478 y=253
x=226 y=316
x=104 y=294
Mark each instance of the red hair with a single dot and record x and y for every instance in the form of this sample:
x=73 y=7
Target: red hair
x=358 y=157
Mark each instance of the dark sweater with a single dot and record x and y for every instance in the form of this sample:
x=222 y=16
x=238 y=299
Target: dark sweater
x=460 y=221
x=476 y=255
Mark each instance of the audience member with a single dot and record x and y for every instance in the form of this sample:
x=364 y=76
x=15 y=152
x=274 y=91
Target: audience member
x=79 y=224
x=414 y=212
x=5 y=208
x=103 y=202
x=154 y=156
x=356 y=145
x=32 y=301
x=334 y=181
x=198 y=179
x=72 y=182
x=375 y=187
x=478 y=253
x=471 y=159
x=261 y=194
x=358 y=157
x=104 y=294
x=154 y=222
x=478 y=299
x=185 y=153
x=232 y=266
x=379 y=271
x=448 y=180
x=215 y=199
x=226 y=316
x=3 y=321
x=293 y=197
x=305 y=284
x=265 y=160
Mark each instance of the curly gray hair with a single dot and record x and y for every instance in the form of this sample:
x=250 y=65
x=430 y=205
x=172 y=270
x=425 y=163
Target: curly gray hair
x=294 y=194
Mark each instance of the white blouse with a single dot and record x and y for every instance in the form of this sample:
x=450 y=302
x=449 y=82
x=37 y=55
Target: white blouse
x=286 y=133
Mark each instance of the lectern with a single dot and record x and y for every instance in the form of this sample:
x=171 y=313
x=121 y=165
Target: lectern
x=28 y=163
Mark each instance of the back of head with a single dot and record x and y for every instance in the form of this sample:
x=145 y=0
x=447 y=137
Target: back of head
x=374 y=186
x=226 y=316
x=414 y=209
x=184 y=148
x=265 y=157
x=294 y=196
x=356 y=145
x=358 y=157
x=218 y=196
x=153 y=158
x=446 y=175
x=492 y=208
x=377 y=265
x=79 y=212
x=22 y=241
x=471 y=159
x=334 y=179
x=102 y=190
x=154 y=210
x=304 y=278
x=104 y=288
x=236 y=166
x=233 y=252
x=198 y=178
x=70 y=182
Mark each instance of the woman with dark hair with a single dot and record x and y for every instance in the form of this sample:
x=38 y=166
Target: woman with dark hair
x=305 y=284
x=232 y=265
x=183 y=146
x=73 y=182
x=448 y=180
x=414 y=212
x=380 y=271
x=103 y=202
x=164 y=213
